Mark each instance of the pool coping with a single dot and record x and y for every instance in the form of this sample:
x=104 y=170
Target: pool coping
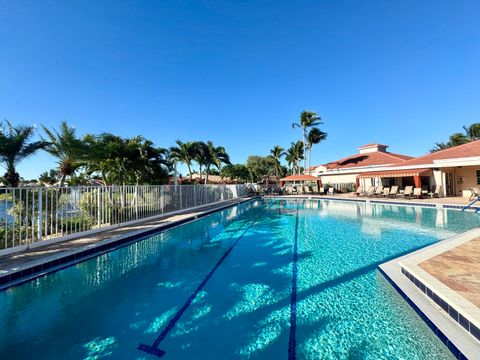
x=40 y=267
x=435 y=310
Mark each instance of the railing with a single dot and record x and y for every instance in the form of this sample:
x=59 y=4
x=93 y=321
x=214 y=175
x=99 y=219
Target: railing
x=31 y=215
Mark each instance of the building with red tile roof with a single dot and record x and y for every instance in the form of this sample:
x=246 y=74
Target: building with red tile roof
x=345 y=170
x=455 y=170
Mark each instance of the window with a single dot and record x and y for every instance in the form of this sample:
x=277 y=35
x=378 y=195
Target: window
x=478 y=177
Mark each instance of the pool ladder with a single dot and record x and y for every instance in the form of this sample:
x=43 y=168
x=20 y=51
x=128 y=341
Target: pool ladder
x=470 y=205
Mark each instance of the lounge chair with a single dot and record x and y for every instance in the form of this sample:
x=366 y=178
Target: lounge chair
x=417 y=193
x=378 y=191
x=331 y=191
x=370 y=191
x=307 y=190
x=437 y=189
x=315 y=189
x=386 y=192
x=322 y=191
x=474 y=193
x=408 y=192
x=360 y=191
x=393 y=191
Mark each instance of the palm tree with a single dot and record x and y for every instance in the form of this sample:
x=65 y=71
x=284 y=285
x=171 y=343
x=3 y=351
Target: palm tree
x=67 y=148
x=208 y=154
x=217 y=156
x=276 y=154
x=184 y=153
x=15 y=146
x=127 y=160
x=472 y=131
x=308 y=119
x=201 y=155
x=315 y=136
x=294 y=156
x=290 y=158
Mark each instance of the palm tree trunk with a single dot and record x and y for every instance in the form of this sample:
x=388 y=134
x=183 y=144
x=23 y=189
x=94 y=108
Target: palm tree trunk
x=189 y=171
x=62 y=180
x=309 y=160
x=304 y=149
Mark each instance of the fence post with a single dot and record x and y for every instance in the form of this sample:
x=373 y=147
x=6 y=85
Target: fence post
x=136 y=202
x=40 y=215
x=181 y=200
x=99 y=208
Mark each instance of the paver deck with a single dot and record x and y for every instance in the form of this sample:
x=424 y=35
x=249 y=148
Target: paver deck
x=459 y=269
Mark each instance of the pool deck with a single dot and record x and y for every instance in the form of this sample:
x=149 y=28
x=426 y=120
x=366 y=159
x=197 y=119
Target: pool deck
x=459 y=269
x=24 y=265
x=442 y=281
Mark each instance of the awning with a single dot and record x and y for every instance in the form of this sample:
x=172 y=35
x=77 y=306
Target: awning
x=300 y=178
x=396 y=173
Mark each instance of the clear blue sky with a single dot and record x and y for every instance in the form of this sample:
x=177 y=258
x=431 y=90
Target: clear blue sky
x=404 y=73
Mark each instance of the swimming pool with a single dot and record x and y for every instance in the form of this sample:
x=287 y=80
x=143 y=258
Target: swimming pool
x=265 y=279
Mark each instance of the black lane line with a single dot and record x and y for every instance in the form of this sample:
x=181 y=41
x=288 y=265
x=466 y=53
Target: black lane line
x=292 y=341
x=153 y=349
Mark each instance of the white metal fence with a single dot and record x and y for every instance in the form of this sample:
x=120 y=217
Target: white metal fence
x=31 y=215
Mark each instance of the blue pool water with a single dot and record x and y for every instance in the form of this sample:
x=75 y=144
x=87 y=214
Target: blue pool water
x=232 y=286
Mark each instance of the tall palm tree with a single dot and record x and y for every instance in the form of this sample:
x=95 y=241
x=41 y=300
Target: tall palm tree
x=15 y=146
x=184 y=153
x=315 y=136
x=217 y=155
x=290 y=158
x=67 y=148
x=276 y=154
x=201 y=156
x=294 y=156
x=308 y=119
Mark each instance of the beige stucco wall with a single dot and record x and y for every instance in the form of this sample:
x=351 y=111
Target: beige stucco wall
x=468 y=179
x=338 y=179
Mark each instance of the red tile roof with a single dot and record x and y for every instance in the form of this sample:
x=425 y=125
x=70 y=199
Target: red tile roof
x=368 y=159
x=462 y=151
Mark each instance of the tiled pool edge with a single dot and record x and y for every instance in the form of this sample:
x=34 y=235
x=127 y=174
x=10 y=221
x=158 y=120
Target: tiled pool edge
x=452 y=334
x=449 y=309
x=53 y=263
x=451 y=346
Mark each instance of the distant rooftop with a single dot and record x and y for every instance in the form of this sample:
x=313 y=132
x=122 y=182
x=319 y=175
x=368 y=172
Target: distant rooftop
x=471 y=149
x=369 y=155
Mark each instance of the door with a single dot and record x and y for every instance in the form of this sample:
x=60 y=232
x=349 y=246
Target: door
x=449 y=184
